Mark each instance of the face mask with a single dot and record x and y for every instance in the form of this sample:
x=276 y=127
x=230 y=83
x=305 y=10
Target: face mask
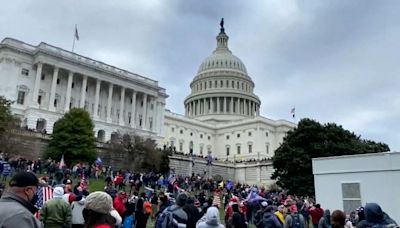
x=34 y=198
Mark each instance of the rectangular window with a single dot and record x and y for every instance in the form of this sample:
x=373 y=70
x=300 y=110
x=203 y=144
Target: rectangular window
x=58 y=81
x=201 y=150
x=267 y=148
x=250 y=149
x=39 y=100
x=227 y=151
x=238 y=135
x=238 y=149
x=140 y=120
x=21 y=97
x=55 y=103
x=180 y=147
x=249 y=133
x=43 y=77
x=25 y=72
x=151 y=123
x=351 y=195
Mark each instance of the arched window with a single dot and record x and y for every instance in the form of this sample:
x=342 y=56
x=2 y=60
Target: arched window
x=101 y=134
x=41 y=125
x=221 y=83
x=237 y=85
x=215 y=84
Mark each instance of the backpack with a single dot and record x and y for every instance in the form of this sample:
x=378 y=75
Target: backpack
x=296 y=223
x=166 y=219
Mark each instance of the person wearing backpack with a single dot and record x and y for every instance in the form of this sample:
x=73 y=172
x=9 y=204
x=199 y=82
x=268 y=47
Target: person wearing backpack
x=294 y=219
x=174 y=216
x=325 y=221
x=269 y=219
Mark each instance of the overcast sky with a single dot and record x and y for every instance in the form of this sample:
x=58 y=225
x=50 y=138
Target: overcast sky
x=335 y=61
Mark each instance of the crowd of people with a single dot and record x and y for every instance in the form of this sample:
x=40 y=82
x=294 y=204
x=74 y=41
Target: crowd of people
x=137 y=200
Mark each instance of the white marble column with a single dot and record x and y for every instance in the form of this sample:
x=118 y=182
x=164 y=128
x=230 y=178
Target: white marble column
x=133 y=111
x=83 y=92
x=121 y=107
x=154 y=115
x=231 y=104
x=258 y=110
x=109 y=103
x=37 y=85
x=96 y=100
x=144 y=113
x=238 y=106
x=198 y=107
x=69 y=88
x=218 y=105
x=53 y=89
x=211 y=105
x=246 y=102
x=225 y=106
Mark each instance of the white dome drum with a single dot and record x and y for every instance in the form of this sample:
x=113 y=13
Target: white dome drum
x=222 y=89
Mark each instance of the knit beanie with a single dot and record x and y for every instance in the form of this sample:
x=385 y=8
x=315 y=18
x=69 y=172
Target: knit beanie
x=99 y=202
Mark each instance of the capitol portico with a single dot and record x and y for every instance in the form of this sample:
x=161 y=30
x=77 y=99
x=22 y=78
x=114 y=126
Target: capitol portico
x=47 y=81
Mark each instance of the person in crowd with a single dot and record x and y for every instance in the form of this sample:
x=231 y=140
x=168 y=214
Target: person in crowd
x=179 y=216
x=17 y=204
x=294 y=219
x=260 y=214
x=316 y=214
x=6 y=169
x=325 y=221
x=281 y=213
x=375 y=217
x=238 y=219
x=140 y=214
x=338 y=219
x=163 y=205
x=56 y=212
x=270 y=220
x=96 y=213
x=360 y=215
x=192 y=213
x=154 y=203
x=211 y=219
x=77 y=216
x=119 y=203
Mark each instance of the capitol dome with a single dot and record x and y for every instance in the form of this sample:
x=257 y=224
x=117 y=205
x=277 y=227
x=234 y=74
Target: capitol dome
x=222 y=90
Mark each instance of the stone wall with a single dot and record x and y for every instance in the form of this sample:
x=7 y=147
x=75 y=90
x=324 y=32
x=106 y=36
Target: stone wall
x=31 y=145
x=251 y=173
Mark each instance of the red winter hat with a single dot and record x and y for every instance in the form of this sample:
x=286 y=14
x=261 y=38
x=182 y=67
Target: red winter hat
x=293 y=208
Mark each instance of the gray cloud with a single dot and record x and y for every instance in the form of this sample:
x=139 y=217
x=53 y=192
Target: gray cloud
x=335 y=61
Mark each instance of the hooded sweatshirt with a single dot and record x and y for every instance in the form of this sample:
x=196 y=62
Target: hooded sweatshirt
x=325 y=221
x=77 y=208
x=210 y=219
x=56 y=211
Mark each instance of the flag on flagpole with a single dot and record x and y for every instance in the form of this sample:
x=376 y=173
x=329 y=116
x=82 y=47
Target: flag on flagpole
x=62 y=163
x=76 y=33
x=293 y=112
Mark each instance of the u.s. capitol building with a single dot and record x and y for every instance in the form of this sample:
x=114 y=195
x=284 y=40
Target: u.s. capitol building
x=222 y=113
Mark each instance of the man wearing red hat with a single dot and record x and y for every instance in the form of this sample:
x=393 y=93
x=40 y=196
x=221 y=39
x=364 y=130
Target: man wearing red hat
x=294 y=219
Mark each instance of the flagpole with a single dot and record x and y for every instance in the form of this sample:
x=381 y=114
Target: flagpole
x=73 y=42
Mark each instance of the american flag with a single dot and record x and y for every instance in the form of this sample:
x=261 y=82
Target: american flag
x=44 y=193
